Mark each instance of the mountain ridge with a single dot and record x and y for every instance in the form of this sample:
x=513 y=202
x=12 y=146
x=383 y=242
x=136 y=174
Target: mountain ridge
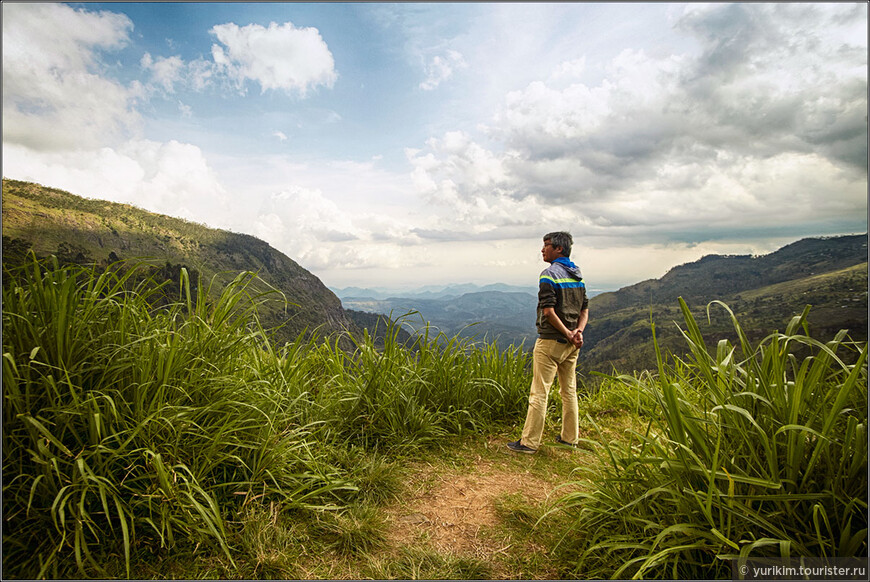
x=427 y=291
x=729 y=274
x=763 y=289
x=84 y=230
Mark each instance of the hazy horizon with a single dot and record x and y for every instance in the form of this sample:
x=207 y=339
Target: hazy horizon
x=407 y=144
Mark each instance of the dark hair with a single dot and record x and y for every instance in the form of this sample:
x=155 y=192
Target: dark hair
x=561 y=239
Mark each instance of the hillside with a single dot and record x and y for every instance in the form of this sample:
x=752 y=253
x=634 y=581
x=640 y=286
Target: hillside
x=84 y=230
x=765 y=292
x=725 y=275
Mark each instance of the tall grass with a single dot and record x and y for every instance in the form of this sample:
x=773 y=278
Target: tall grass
x=752 y=451
x=129 y=427
x=125 y=423
x=416 y=394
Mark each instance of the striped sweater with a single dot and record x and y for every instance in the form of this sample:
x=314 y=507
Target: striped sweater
x=560 y=286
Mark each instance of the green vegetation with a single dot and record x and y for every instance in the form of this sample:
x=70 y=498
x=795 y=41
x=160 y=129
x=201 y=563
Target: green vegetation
x=178 y=441
x=748 y=451
x=131 y=430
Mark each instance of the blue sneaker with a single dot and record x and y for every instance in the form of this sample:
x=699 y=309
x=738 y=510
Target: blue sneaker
x=519 y=447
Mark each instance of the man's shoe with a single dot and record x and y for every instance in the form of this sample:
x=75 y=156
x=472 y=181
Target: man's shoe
x=560 y=441
x=519 y=447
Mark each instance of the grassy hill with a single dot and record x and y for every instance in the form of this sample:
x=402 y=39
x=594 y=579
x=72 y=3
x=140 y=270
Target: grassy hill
x=81 y=230
x=764 y=292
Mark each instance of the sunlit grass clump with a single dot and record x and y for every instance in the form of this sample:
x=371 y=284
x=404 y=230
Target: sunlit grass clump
x=129 y=429
x=752 y=451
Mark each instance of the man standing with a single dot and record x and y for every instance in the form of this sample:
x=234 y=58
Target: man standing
x=563 y=311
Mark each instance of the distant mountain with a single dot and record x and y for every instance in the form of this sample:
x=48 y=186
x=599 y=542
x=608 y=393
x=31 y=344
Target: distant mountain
x=765 y=292
x=508 y=318
x=428 y=291
x=82 y=230
x=363 y=293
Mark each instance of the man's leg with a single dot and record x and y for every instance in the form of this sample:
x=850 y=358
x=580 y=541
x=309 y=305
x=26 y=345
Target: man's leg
x=544 y=372
x=568 y=391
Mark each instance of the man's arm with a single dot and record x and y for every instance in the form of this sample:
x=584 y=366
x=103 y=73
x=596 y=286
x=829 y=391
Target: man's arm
x=577 y=337
x=550 y=314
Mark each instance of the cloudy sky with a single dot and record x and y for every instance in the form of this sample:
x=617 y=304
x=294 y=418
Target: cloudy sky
x=392 y=144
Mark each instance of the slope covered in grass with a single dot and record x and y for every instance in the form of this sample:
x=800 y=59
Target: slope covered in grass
x=752 y=449
x=86 y=231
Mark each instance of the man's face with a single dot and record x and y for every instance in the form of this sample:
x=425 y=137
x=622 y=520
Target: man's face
x=549 y=252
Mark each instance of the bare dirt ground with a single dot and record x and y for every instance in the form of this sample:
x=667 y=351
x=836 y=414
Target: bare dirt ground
x=460 y=503
x=454 y=510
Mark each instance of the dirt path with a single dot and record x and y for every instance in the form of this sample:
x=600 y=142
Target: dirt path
x=455 y=510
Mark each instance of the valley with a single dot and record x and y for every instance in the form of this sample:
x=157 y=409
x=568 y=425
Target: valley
x=764 y=292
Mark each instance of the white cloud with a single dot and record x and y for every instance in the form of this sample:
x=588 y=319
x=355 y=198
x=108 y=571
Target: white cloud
x=55 y=96
x=58 y=36
x=66 y=124
x=277 y=57
x=572 y=69
x=185 y=110
x=333 y=217
x=332 y=117
x=323 y=235
x=440 y=68
x=165 y=72
x=281 y=57
x=201 y=74
x=170 y=178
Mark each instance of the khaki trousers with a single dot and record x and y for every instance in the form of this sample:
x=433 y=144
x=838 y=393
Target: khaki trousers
x=551 y=358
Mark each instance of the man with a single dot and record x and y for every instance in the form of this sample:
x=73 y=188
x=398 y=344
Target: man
x=563 y=311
